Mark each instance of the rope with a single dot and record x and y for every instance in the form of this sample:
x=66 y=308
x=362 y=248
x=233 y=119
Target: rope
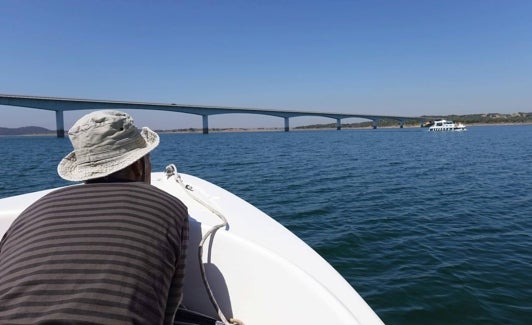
x=171 y=170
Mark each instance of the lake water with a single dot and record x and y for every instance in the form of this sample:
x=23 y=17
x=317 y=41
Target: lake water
x=430 y=228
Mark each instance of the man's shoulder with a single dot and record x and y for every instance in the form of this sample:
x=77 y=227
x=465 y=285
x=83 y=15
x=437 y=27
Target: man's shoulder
x=137 y=191
x=126 y=188
x=155 y=192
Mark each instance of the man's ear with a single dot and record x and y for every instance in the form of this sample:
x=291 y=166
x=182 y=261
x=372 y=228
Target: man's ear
x=137 y=169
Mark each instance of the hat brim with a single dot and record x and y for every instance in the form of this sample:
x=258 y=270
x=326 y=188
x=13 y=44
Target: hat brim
x=71 y=170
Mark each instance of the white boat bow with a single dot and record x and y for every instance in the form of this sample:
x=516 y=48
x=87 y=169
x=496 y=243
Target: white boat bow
x=259 y=272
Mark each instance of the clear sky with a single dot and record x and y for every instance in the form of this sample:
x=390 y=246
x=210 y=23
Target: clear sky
x=391 y=57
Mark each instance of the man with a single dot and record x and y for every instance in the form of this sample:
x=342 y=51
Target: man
x=110 y=251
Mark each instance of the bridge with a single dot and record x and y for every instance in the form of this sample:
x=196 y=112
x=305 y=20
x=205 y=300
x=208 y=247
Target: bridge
x=59 y=105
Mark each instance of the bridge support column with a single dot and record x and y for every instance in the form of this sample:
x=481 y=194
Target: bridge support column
x=205 y=124
x=375 y=123
x=59 y=124
x=402 y=124
x=338 y=124
x=286 y=124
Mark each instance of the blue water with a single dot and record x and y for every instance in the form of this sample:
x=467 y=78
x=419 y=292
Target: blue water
x=430 y=228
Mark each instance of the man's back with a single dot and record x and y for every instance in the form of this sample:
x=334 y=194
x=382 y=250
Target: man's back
x=95 y=253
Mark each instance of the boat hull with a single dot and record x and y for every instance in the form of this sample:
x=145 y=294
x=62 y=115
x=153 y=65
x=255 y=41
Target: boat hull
x=259 y=272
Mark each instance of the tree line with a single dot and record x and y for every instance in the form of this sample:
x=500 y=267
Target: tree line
x=488 y=118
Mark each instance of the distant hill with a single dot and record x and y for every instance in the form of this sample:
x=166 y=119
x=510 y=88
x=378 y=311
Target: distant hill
x=25 y=130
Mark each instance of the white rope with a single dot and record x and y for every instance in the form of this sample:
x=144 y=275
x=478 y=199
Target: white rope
x=171 y=170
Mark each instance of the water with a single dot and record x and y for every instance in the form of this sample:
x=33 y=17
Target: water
x=430 y=228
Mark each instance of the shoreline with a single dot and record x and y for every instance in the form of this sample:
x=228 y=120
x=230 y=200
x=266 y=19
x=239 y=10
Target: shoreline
x=299 y=129
x=272 y=129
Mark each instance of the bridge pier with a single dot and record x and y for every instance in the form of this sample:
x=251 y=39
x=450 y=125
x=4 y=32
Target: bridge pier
x=286 y=124
x=402 y=124
x=375 y=123
x=59 y=124
x=205 y=124
x=338 y=124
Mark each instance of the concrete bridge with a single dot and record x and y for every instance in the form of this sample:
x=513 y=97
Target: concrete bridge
x=59 y=105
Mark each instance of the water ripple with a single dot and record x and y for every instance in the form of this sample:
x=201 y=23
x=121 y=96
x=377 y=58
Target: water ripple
x=429 y=228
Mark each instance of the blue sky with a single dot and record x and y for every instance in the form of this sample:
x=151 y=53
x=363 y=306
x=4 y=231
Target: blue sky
x=397 y=57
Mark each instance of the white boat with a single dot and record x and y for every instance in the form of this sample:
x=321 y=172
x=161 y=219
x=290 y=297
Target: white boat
x=445 y=125
x=258 y=271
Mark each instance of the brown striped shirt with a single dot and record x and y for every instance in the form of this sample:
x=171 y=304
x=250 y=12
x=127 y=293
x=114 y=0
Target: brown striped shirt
x=110 y=253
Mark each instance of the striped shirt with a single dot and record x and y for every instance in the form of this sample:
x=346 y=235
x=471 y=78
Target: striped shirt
x=107 y=253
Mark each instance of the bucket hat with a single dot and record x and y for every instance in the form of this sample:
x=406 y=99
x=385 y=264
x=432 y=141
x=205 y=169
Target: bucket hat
x=104 y=142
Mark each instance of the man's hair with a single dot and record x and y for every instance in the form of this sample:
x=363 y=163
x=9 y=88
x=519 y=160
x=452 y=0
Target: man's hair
x=118 y=176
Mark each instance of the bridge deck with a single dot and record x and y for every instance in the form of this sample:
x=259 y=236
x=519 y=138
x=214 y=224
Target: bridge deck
x=59 y=105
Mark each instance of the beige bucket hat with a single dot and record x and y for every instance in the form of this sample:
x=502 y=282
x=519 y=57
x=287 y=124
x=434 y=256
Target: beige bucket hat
x=104 y=142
